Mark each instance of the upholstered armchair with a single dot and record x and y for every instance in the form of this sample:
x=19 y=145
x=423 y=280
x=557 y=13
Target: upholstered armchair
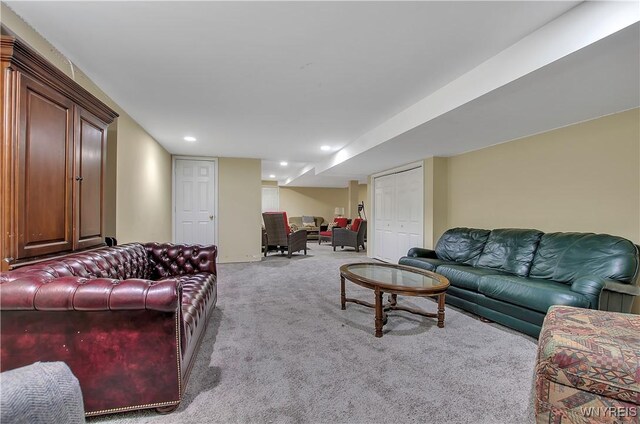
x=280 y=236
x=352 y=237
x=327 y=234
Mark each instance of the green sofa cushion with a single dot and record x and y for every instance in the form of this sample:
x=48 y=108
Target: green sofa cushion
x=565 y=256
x=530 y=293
x=510 y=250
x=465 y=276
x=429 y=264
x=462 y=245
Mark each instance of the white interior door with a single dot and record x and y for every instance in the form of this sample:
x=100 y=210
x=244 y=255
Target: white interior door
x=195 y=189
x=270 y=199
x=409 y=216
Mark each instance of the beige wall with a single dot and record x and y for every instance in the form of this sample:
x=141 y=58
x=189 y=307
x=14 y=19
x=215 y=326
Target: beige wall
x=239 y=206
x=143 y=211
x=435 y=199
x=362 y=195
x=585 y=178
x=353 y=192
x=111 y=184
x=579 y=178
x=142 y=186
x=298 y=201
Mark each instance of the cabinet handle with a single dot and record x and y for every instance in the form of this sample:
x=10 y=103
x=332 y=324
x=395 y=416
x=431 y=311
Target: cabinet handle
x=78 y=178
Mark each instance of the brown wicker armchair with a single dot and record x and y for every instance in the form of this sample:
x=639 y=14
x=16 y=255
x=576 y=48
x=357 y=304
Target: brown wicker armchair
x=279 y=235
x=353 y=237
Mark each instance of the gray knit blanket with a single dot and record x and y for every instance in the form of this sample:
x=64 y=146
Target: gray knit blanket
x=44 y=392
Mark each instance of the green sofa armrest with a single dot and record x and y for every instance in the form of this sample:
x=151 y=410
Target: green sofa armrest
x=590 y=286
x=418 y=252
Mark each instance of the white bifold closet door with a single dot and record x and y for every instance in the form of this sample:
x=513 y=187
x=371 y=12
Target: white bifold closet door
x=398 y=209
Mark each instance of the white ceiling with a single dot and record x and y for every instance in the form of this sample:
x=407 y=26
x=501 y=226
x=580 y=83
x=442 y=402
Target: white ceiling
x=600 y=79
x=276 y=80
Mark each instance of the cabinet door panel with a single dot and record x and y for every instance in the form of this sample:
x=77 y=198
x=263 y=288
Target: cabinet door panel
x=90 y=151
x=45 y=158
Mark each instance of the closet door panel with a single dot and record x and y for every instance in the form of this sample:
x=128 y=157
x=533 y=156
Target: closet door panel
x=45 y=163
x=409 y=199
x=378 y=221
x=385 y=210
x=398 y=214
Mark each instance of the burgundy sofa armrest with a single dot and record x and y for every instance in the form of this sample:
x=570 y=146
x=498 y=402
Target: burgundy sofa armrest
x=170 y=260
x=123 y=359
x=82 y=294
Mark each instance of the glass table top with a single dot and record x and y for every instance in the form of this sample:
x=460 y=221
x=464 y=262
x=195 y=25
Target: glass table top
x=393 y=276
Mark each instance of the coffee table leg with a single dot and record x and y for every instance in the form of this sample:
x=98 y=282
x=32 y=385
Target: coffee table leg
x=343 y=296
x=379 y=318
x=441 y=310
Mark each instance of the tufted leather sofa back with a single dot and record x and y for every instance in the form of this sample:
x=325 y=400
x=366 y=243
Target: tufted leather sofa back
x=167 y=259
x=119 y=262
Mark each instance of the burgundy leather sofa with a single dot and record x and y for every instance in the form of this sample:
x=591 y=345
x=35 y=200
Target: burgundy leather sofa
x=127 y=320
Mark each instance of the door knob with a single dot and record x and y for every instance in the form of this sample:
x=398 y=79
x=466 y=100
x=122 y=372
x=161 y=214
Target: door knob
x=78 y=178
x=211 y=217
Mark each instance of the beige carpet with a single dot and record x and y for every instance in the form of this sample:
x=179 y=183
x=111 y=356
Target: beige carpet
x=280 y=350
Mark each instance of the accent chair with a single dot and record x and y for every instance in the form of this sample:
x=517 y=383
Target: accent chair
x=351 y=237
x=327 y=234
x=279 y=234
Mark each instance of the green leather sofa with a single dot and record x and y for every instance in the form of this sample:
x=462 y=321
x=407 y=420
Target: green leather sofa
x=513 y=276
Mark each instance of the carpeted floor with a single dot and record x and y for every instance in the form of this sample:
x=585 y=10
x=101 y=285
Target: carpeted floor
x=280 y=350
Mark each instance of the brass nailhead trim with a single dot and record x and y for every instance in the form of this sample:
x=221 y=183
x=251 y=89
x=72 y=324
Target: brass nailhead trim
x=178 y=355
x=130 y=408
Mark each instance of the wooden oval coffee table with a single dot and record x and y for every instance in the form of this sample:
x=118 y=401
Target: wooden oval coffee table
x=394 y=280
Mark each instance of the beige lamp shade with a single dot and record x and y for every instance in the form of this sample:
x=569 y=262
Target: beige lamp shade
x=339 y=211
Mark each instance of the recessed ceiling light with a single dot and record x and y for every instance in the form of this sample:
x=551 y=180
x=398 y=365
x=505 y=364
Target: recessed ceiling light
x=189 y=138
x=272 y=176
x=325 y=148
x=283 y=163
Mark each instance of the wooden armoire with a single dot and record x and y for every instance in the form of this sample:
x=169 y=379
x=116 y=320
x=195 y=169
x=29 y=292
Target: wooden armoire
x=52 y=161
